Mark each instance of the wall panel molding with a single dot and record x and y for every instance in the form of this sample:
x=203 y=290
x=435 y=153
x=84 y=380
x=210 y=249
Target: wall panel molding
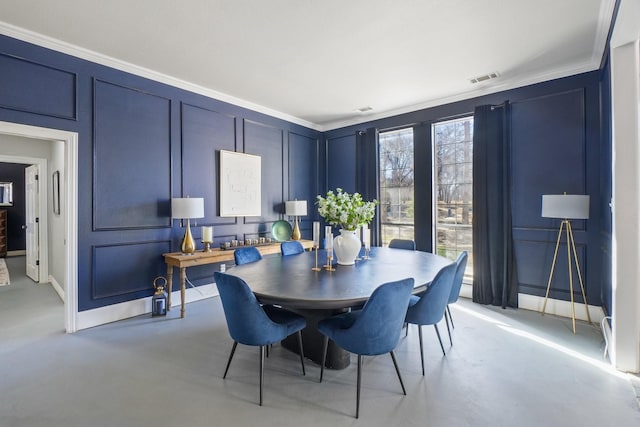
x=37 y=88
x=204 y=133
x=132 y=158
x=125 y=269
x=267 y=142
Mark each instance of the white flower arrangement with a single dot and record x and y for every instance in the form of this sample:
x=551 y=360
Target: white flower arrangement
x=348 y=211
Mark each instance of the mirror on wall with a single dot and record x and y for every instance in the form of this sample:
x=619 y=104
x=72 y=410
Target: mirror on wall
x=6 y=193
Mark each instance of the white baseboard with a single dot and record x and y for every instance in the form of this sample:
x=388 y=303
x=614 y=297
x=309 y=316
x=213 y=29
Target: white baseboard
x=113 y=313
x=57 y=287
x=554 y=306
x=17 y=253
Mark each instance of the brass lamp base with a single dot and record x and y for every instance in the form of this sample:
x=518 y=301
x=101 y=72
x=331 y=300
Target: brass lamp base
x=188 y=244
x=296 y=235
x=566 y=224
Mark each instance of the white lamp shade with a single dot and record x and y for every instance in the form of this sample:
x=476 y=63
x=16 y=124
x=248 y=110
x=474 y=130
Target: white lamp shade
x=187 y=207
x=565 y=206
x=295 y=208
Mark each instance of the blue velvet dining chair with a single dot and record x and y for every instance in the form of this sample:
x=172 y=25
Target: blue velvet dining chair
x=371 y=331
x=428 y=309
x=246 y=255
x=292 y=247
x=403 y=244
x=249 y=323
x=461 y=265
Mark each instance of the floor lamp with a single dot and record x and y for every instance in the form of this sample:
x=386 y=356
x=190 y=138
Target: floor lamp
x=566 y=207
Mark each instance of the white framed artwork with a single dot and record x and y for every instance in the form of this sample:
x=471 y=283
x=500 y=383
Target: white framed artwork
x=240 y=184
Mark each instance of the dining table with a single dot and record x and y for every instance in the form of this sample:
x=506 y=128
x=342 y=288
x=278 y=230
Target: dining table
x=294 y=283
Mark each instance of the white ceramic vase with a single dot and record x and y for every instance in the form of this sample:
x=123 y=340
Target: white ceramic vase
x=346 y=246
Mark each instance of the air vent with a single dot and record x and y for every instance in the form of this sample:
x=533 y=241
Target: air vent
x=485 y=77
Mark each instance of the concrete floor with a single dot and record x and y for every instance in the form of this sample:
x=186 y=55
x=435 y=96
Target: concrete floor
x=506 y=368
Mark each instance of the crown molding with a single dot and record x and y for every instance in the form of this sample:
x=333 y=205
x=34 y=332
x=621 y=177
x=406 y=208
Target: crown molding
x=89 y=55
x=490 y=87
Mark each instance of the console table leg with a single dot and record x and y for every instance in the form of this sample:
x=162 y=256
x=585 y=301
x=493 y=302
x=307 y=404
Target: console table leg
x=169 y=285
x=183 y=276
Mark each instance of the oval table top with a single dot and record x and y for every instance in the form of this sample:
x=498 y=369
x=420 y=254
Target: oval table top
x=290 y=281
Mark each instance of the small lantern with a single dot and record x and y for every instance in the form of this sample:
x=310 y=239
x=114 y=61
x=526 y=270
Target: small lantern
x=159 y=300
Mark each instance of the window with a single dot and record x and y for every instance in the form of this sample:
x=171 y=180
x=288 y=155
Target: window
x=453 y=189
x=396 y=185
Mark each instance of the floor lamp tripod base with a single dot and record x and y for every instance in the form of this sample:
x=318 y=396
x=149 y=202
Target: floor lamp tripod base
x=571 y=247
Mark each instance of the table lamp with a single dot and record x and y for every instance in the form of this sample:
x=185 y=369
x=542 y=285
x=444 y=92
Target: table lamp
x=296 y=208
x=566 y=207
x=187 y=208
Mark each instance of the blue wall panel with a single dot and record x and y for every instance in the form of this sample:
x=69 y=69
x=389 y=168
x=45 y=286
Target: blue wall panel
x=268 y=143
x=132 y=158
x=548 y=153
x=303 y=178
x=36 y=88
x=341 y=163
x=204 y=134
x=127 y=270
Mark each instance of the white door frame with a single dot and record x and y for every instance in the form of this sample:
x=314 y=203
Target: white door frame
x=43 y=233
x=70 y=210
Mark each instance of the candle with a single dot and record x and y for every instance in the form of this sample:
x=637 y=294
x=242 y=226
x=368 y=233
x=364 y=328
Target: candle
x=207 y=234
x=316 y=234
x=328 y=245
x=366 y=236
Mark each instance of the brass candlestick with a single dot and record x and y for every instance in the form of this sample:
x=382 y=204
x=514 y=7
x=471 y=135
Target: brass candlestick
x=316 y=268
x=207 y=246
x=329 y=267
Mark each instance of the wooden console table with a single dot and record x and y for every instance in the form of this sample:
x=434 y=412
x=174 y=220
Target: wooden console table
x=182 y=261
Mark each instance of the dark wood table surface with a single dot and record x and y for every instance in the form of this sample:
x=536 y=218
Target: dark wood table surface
x=289 y=281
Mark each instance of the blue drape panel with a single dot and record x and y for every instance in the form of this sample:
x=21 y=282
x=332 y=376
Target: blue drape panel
x=495 y=279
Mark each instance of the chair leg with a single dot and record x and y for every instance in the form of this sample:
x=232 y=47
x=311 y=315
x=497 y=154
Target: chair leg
x=421 y=350
x=395 y=363
x=450 y=318
x=233 y=350
x=262 y=351
x=358 y=385
x=301 y=351
x=439 y=339
x=446 y=319
x=324 y=356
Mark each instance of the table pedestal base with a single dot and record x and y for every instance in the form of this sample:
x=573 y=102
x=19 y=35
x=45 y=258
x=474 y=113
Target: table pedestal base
x=312 y=340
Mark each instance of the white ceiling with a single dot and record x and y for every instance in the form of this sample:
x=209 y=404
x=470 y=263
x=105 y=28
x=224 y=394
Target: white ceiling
x=316 y=62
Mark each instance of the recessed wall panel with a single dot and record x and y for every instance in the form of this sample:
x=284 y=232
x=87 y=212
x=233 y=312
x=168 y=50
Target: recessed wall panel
x=125 y=269
x=341 y=163
x=35 y=88
x=132 y=158
x=548 y=153
x=267 y=142
x=204 y=134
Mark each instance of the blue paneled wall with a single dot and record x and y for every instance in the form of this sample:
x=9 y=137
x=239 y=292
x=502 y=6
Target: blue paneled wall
x=557 y=146
x=140 y=144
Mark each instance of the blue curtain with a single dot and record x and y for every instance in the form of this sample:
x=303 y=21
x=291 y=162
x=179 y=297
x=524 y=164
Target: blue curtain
x=367 y=175
x=495 y=279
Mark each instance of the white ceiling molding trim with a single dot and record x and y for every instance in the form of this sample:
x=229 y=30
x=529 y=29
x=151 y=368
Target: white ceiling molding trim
x=86 y=54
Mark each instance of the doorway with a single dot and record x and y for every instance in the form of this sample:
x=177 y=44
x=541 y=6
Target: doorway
x=66 y=221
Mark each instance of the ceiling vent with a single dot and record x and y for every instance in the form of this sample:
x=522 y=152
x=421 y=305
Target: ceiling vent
x=485 y=77
x=364 y=109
